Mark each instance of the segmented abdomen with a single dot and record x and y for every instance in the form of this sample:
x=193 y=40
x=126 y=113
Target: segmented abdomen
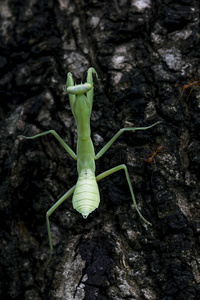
x=86 y=196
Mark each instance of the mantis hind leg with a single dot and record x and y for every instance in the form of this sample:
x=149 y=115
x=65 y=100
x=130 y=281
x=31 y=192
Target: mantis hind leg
x=115 y=169
x=48 y=214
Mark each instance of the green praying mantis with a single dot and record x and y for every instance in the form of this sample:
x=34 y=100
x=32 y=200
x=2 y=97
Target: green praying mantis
x=85 y=192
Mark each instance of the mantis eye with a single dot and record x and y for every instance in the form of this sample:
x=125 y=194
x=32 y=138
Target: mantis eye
x=79 y=89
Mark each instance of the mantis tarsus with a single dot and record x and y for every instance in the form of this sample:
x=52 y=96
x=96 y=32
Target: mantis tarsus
x=86 y=196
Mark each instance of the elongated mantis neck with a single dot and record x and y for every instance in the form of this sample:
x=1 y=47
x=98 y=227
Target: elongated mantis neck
x=82 y=111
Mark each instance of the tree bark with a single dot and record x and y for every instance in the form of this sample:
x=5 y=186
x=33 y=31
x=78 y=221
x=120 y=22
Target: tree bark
x=146 y=54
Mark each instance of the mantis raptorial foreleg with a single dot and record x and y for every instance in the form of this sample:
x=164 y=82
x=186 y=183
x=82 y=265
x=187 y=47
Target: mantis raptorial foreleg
x=85 y=193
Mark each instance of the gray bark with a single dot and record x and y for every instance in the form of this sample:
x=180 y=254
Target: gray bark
x=144 y=53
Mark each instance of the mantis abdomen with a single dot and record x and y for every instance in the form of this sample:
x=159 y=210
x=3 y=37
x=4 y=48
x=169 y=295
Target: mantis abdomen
x=86 y=196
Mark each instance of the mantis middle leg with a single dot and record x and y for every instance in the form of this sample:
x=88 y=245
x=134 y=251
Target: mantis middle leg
x=107 y=146
x=118 y=168
x=67 y=148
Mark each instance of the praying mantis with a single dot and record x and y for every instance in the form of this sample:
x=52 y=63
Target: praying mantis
x=86 y=197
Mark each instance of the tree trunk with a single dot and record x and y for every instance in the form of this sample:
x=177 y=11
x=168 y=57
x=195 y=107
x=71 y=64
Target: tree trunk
x=146 y=54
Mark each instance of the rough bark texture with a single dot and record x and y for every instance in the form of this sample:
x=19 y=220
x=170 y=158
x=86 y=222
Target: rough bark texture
x=144 y=52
